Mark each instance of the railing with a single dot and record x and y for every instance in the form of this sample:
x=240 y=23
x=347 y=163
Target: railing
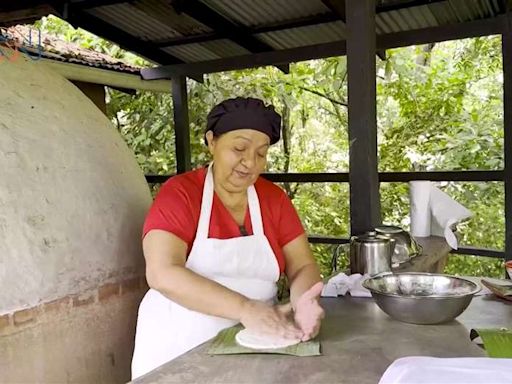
x=394 y=177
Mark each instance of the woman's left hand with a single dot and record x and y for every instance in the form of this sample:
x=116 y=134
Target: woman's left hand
x=308 y=312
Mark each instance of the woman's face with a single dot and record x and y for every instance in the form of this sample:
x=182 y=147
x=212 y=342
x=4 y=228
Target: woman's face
x=239 y=157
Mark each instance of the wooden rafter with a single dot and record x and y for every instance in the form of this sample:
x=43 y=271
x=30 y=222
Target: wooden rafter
x=336 y=13
x=338 y=8
x=223 y=26
x=80 y=18
x=336 y=48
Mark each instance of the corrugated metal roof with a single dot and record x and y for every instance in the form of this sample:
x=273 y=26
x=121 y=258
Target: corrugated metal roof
x=135 y=22
x=435 y=14
x=225 y=48
x=156 y=21
x=443 y=13
x=252 y=13
x=165 y=13
x=298 y=37
x=210 y=50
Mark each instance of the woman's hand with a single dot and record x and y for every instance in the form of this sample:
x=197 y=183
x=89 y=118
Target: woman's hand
x=308 y=312
x=273 y=320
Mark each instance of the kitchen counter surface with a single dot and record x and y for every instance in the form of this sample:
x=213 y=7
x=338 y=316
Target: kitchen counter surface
x=358 y=341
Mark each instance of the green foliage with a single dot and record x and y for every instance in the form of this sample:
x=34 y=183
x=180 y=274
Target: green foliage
x=439 y=108
x=447 y=115
x=144 y=122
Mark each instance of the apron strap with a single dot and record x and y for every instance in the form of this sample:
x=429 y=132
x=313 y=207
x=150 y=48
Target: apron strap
x=255 y=211
x=207 y=204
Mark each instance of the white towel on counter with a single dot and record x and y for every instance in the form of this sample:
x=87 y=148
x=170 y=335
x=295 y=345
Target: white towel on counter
x=433 y=212
x=434 y=370
x=341 y=284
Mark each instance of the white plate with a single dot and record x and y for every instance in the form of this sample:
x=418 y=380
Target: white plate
x=252 y=340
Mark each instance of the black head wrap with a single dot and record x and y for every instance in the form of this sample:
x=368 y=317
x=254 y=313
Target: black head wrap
x=239 y=113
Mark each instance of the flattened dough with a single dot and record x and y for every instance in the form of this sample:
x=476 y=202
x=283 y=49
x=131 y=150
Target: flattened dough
x=253 y=340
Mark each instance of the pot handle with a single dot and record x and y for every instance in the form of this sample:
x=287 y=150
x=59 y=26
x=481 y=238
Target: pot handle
x=419 y=248
x=338 y=250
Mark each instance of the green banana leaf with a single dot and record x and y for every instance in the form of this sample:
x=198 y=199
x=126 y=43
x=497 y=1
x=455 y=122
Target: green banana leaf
x=497 y=342
x=225 y=344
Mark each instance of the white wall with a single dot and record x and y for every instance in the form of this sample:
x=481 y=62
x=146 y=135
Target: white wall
x=72 y=197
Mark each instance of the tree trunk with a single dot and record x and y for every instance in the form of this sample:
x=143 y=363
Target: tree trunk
x=286 y=132
x=423 y=58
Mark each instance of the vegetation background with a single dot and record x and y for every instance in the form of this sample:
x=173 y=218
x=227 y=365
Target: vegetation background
x=439 y=108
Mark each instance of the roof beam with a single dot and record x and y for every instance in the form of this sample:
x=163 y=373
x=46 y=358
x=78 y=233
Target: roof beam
x=8 y=18
x=191 y=39
x=387 y=7
x=307 y=21
x=88 y=4
x=274 y=27
x=217 y=22
x=24 y=11
x=338 y=8
x=441 y=33
x=120 y=37
x=254 y=60
x=225 y=27
x=123 y=39
x=9 y=6
x=337 y=48
x=336 y=14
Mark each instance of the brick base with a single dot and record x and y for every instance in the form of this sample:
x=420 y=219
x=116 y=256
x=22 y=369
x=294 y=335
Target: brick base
x=81 y=338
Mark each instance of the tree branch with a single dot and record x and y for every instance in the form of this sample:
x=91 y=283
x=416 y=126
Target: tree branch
x=315 y=92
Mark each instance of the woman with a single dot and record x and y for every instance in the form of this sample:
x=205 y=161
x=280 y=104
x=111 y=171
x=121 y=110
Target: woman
x=216 y=241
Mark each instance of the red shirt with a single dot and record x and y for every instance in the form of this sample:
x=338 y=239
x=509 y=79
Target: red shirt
x=177 y=206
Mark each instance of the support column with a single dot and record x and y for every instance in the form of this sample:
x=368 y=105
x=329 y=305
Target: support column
x=362 y=116
x=181 y=125
x=506 y=48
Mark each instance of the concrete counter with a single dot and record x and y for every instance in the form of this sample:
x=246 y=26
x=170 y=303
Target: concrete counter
x=358 y=341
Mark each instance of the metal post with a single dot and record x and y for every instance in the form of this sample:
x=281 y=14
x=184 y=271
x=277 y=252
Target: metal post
x=181 y=125
x=362 y=116
x=506 y=48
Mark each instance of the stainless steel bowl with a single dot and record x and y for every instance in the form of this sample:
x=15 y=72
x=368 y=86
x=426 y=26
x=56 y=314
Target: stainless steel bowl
x=421 y=298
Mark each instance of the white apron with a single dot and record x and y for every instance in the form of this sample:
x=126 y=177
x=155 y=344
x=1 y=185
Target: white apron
x=245 y=264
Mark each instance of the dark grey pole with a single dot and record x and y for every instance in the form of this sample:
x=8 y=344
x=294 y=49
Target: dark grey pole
x=362 y=119
x=181 y=125
x=506 y=48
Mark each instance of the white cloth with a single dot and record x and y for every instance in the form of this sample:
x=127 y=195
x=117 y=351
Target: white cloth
x=247 y=264
x=433 y=212
x=432 y=370
x=341 y=284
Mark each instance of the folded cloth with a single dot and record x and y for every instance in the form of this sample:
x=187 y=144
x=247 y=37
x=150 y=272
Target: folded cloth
x=433 y=370
x=341 y=284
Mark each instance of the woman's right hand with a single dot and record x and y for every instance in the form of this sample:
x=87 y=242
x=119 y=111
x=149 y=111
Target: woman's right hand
x=274 y=320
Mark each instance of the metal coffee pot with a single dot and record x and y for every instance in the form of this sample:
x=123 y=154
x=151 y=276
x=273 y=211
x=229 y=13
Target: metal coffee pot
x=371 y=254
x=405 y=245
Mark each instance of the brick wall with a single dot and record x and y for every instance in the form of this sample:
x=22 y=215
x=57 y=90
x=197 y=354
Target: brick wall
x=77 y=338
